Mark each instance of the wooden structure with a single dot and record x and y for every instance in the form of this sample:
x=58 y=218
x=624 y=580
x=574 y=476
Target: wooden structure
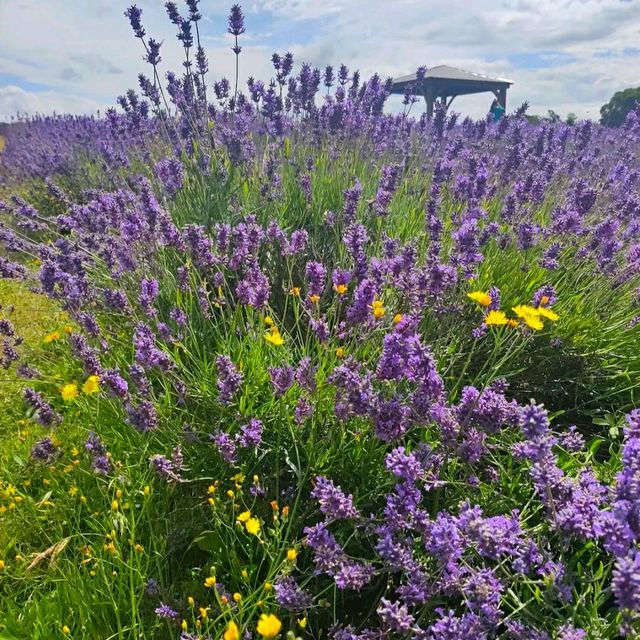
x=446 y=83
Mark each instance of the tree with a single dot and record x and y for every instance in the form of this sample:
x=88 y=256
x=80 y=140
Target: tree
x=615 y=111
x=572 y=118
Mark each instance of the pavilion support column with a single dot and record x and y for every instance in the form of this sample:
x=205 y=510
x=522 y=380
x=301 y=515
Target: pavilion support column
x=501 y=94
x=428 y=98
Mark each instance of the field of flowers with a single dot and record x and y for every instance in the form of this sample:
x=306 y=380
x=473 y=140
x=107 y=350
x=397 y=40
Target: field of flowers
x=278 y=364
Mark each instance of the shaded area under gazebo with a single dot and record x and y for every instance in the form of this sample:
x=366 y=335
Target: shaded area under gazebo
x=447 y=82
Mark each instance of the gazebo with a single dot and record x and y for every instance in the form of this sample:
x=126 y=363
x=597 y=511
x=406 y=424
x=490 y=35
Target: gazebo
x=447 y=82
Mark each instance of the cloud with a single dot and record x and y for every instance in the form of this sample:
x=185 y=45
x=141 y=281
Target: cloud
x=15 y=100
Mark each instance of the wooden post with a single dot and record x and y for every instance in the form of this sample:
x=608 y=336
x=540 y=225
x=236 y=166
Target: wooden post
x=428 y=97
x=501 y=94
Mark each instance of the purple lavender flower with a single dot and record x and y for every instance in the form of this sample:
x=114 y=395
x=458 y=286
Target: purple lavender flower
x=226 y=446
x=44 y=413
x=170 y=172
x=43 y=450
x=334 y=503
x=290 y=596
x=165 y=611
x=282 y=379
x=250 y=434
x=626 y=582
x=316 y=275
x=395 y=616
x=142 y=417
x=168 y=468
x=229 y=379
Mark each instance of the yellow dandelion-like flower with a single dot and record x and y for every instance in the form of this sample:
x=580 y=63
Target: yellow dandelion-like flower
x=210 y=582
x=397 y=318
x=253 y=526
x=191 y=601
x=51 y=337
x=91 y=385
x=69 y=392
x=314 y=298
x=295 y=291
x=377 y=307
x=512 y=323
x=237 y=597
x=340 y=289
x=183 y=625
x=268 y=321
x=547 y=313
x=292 y=554
x=66 y=630
x=340 y=352
x=302 y=622
x=232 y=632
x=496 y=318
x=67 y=328
x=244 y=516
x=274 y=337
x=529 y=316
x=481 y=297
x=2 y=565
x=269 y=625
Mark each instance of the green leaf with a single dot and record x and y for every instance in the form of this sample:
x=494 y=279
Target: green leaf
x=210 y=541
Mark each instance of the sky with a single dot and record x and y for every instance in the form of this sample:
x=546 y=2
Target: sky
x=77 y=56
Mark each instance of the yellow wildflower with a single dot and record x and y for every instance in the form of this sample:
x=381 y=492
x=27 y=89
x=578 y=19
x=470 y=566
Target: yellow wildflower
x=378 y=309
x=253 y=526
x=210 y=582
x=314 y=298
x=481 y=297
x=2 y=565
x=512 y=323
x=547 y=313
x=340 y=289
x=237 y=597
x=91 y=385
x=244 y=516
x=67 y=328
x=204 y=612
x=268 y=586
x=232 y=632
x=496 y=318
x=529 y=315
x=147 y=490
x=295 y=291
x=66 y=630
x=69 y=392
x=268 y=320
x=245 y=574
x=292 y=554
x=139 y=548
x=184 y=626
x=191 y=601
x=397 y=318
x=269 y=625
x=302 y=622
x=114 y=505
x=274 y=337
x=51 y=337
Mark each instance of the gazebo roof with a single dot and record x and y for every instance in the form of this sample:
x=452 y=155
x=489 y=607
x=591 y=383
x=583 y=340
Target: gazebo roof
x=447 y=81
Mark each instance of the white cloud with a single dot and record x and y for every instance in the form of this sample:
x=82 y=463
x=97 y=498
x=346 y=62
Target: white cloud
x=15 y=100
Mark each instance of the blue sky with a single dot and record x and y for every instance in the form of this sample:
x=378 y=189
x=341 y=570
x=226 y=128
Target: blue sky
x=568 y=55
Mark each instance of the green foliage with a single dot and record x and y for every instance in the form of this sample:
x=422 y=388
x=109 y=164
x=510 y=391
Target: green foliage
x=613 y=113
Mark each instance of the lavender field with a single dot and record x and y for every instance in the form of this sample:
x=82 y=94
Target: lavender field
x=280 y=364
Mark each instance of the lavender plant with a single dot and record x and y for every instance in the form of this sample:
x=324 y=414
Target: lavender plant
x=294 y=391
